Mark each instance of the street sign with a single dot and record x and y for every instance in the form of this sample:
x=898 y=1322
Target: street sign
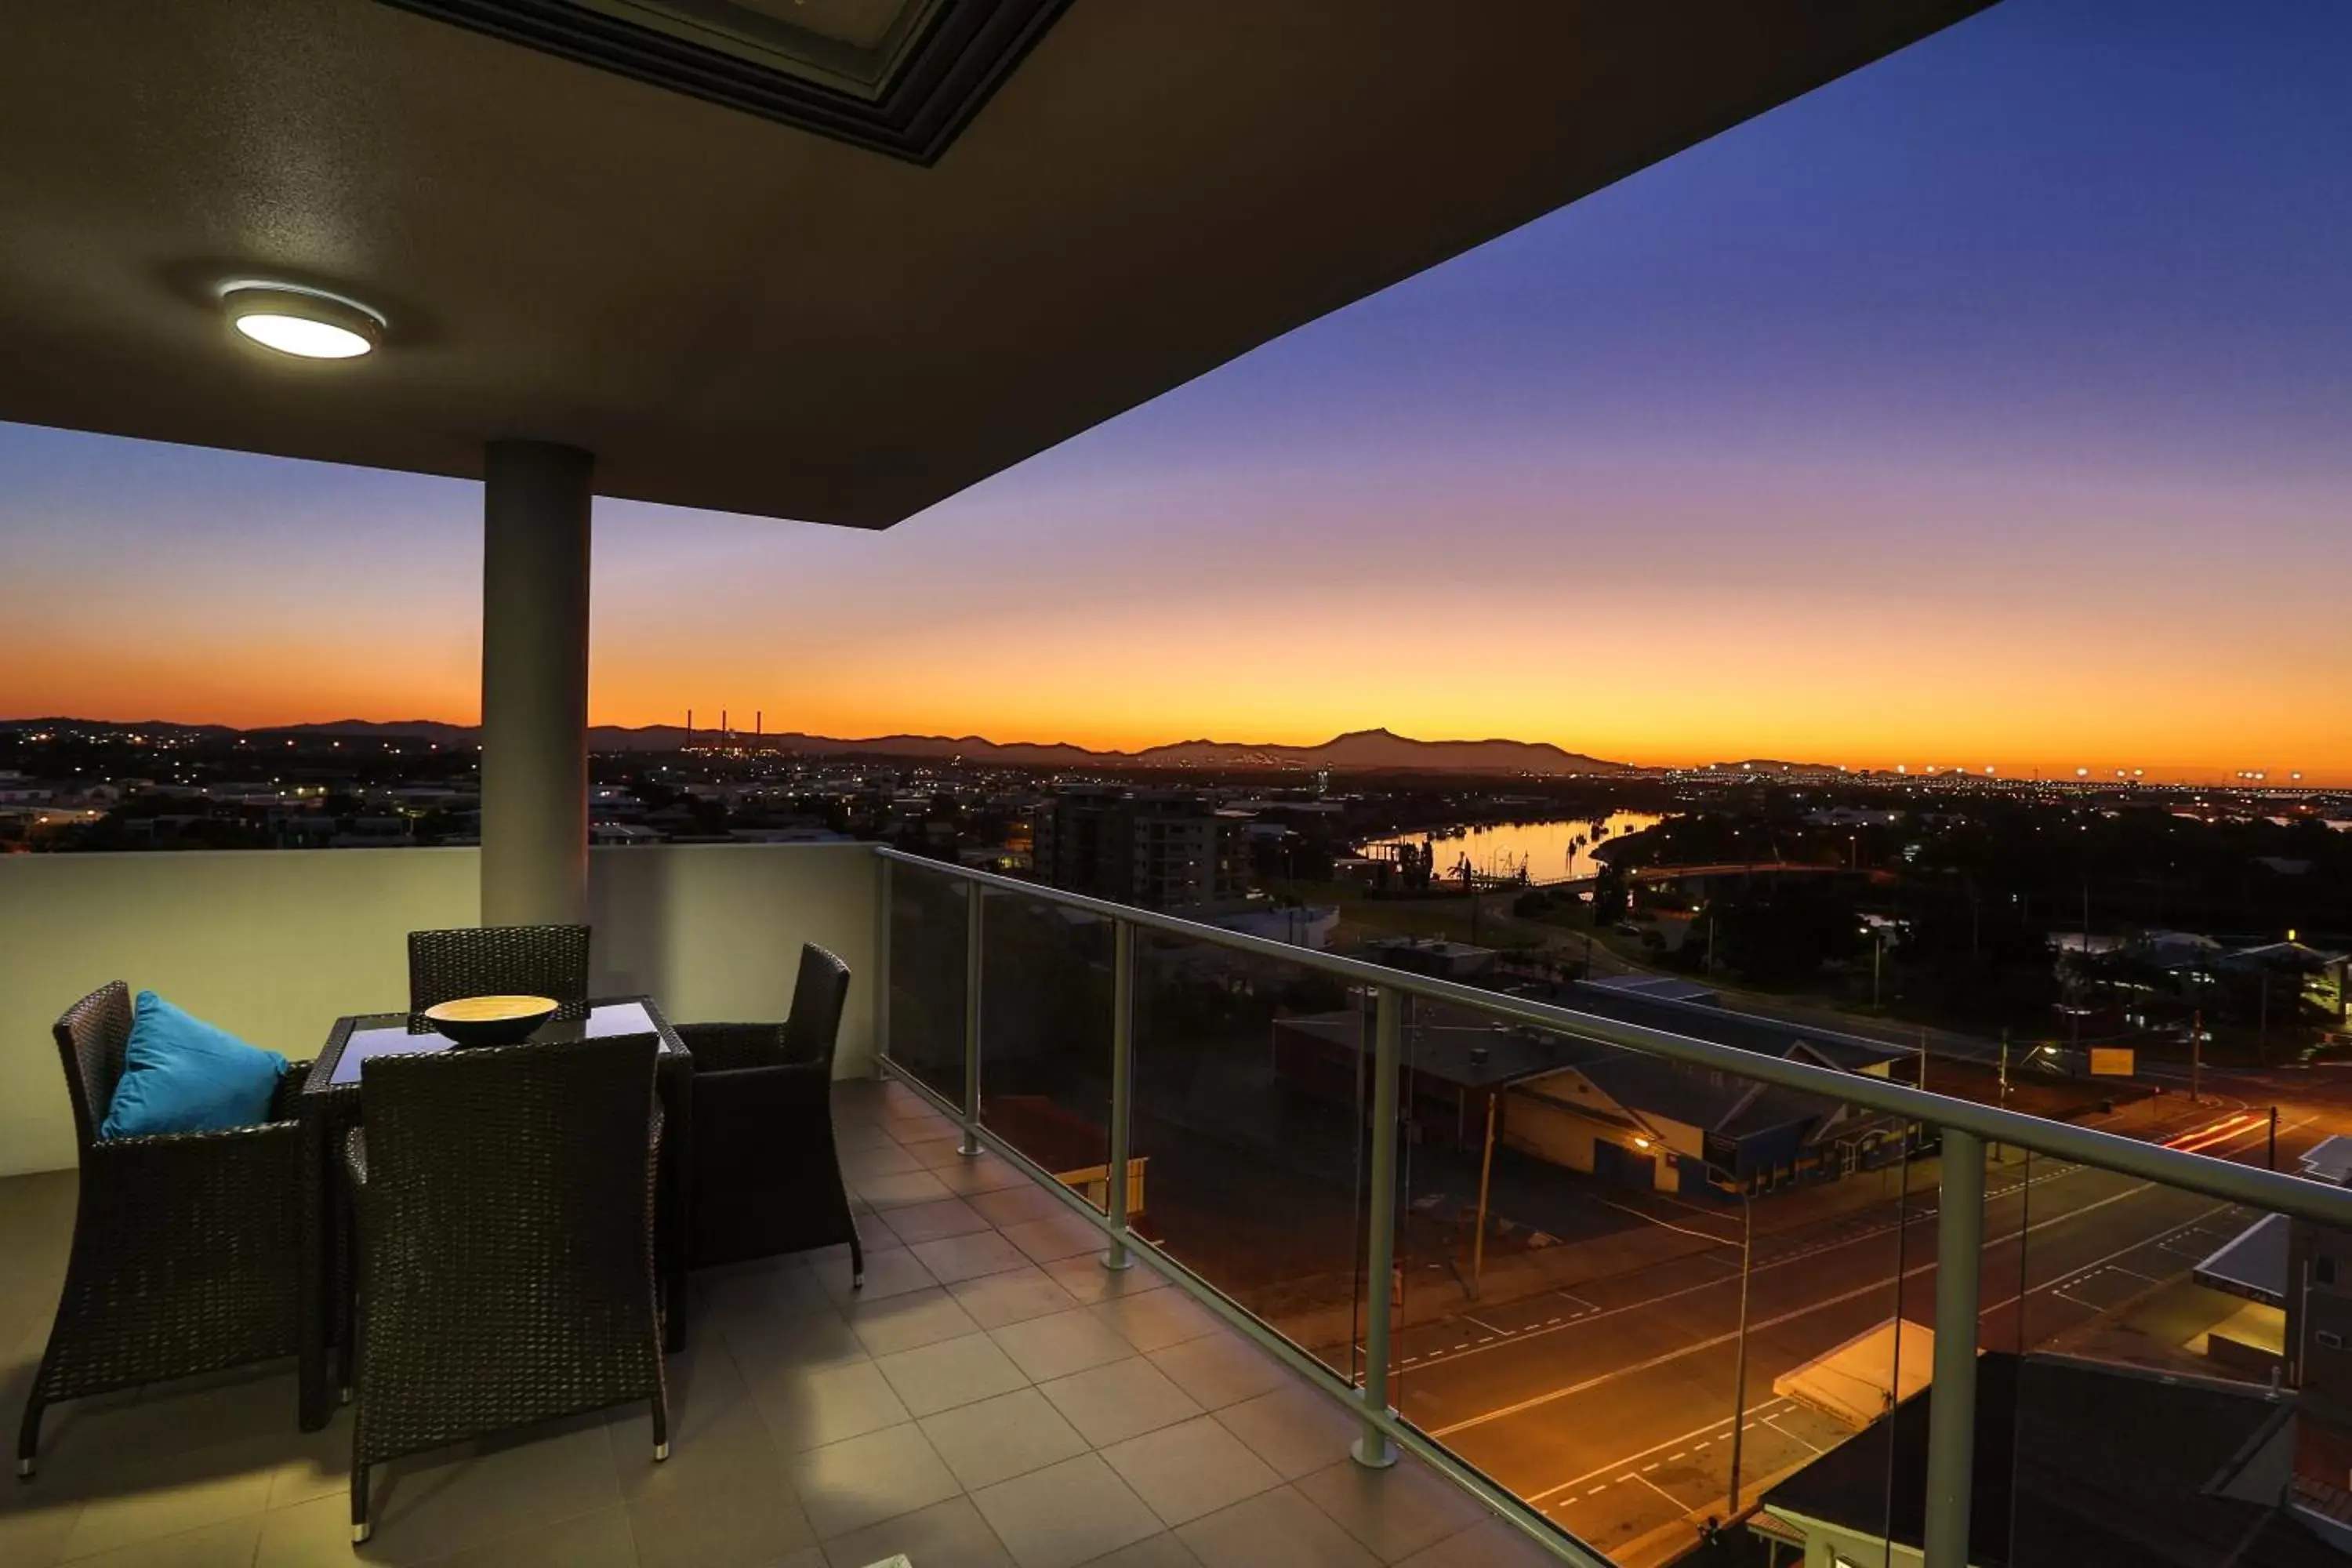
x=2111 y=1061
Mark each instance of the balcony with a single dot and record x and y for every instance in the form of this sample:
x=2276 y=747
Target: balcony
x=1551 y=1374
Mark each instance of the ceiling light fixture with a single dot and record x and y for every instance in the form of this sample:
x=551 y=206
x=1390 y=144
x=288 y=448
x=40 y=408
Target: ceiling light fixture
x=308 y=323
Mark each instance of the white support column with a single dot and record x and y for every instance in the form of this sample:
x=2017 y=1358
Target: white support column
x=535 y=535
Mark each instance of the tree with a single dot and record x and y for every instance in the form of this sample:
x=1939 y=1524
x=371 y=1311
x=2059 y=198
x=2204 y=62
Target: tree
x=1609 y=895
x=1785 y=930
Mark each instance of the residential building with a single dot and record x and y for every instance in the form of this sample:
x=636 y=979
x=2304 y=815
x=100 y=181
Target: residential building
x=1169 y=850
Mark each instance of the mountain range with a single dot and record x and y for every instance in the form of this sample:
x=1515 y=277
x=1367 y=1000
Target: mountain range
x=1359 y=750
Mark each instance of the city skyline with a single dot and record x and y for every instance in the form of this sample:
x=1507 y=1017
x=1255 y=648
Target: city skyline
x=1978 y=409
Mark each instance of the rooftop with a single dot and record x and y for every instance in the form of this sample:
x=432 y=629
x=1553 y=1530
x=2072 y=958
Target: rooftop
x=2100 y=1464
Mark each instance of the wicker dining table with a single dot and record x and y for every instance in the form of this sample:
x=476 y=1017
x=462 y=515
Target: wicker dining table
x=330 y=1104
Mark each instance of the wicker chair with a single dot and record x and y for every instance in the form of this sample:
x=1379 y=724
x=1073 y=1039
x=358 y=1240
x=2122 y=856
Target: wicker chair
x=497 y=961
x=766 y=1178
x=187 y=1247
x=505 y=1200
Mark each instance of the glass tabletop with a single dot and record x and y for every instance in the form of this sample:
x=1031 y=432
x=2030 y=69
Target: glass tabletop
x=389 y=1035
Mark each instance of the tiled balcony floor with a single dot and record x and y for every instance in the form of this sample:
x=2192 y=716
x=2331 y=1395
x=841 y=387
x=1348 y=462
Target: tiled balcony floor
x=992 y=1397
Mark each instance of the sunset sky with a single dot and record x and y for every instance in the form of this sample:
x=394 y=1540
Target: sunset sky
x=1990 y=406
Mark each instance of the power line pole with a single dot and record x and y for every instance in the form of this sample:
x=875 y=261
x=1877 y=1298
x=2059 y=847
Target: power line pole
x=1739 y=1362
x=1486 y=1181
x=2195 y=1053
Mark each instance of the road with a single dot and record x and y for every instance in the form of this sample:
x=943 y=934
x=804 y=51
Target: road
x=1610 y=1407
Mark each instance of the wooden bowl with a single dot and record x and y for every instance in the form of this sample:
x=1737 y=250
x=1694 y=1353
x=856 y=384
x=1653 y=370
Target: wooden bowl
x=490 y=1020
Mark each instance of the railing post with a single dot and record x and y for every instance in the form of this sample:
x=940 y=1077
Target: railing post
x=1372 y=1449
x=1952 y=1394
x=881 y=958
x=1122 y=1090
x=973 y=895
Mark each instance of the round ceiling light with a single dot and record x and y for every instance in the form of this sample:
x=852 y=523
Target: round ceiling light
x=308 y=323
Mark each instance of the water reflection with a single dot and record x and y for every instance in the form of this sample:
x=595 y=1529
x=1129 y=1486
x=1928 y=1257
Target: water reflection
x=1547 y=851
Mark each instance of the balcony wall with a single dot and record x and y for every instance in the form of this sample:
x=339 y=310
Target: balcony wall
x=274 y=946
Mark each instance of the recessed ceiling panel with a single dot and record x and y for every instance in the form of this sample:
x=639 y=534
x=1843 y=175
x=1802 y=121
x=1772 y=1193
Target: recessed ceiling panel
x=900 y=76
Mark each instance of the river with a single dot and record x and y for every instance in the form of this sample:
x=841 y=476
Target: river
x=1548 y=850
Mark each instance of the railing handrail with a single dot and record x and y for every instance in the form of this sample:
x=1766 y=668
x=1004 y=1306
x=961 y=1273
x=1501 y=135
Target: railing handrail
x=2203 y=1174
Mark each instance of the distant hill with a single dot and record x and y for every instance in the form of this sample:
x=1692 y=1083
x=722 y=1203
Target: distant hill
x=1360 y=751
x=1367 y=749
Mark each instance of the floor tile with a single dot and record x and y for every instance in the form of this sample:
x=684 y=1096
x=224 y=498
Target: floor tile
x=1066 y=1514
x=981 y=1174
x=1154 y=1320
x=1220 y=1369
x=745 y=1526
x=895 y=1192
x=1279 y=1529
x=1296 y=1429
x=954 y=1258
x=848 y=1486
x=1108 y=1404
x=229 y=1543
x=876 y=1160
x=1084 y=1277
x=1062 y=1344
x=167 y=1496
x=1395 y=1511
x=995 y=1439
x=1017 y=1205
x=33 y=1532
x=1192 y=1468
x=902 y=1322
x=1057 y=1236
x=599 y=1539
x=309 y=1464
x=852 y=1133
x=937 y=1377
x=889 y=1271
x=937 y=1154
x=1490 y=1543
x=764 y=1348
x=1012 y=1297
x=929 y=1222
x=315 y=1533
x=919 y=1124
x=767 y=1290
x=949 y=1534
x=718 y=1436
x=816 y=1406
x=1164 y=1551
x=454 y=1499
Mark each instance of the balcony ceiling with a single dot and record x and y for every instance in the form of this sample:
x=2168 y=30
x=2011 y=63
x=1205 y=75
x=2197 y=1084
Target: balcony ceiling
x=735 y=313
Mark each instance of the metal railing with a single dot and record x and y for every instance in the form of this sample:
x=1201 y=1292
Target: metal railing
x=1965 y=1127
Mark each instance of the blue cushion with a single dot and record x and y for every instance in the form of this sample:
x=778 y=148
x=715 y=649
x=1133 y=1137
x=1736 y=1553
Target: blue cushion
x=182 y=1075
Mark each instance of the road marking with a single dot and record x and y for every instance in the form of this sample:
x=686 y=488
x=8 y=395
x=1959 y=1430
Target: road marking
x=1667 y=1357
x=1792 y=1436
x=1604 y=1469
x=1660 y=1490
x=1915 y=1217
x=1480 y=1322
